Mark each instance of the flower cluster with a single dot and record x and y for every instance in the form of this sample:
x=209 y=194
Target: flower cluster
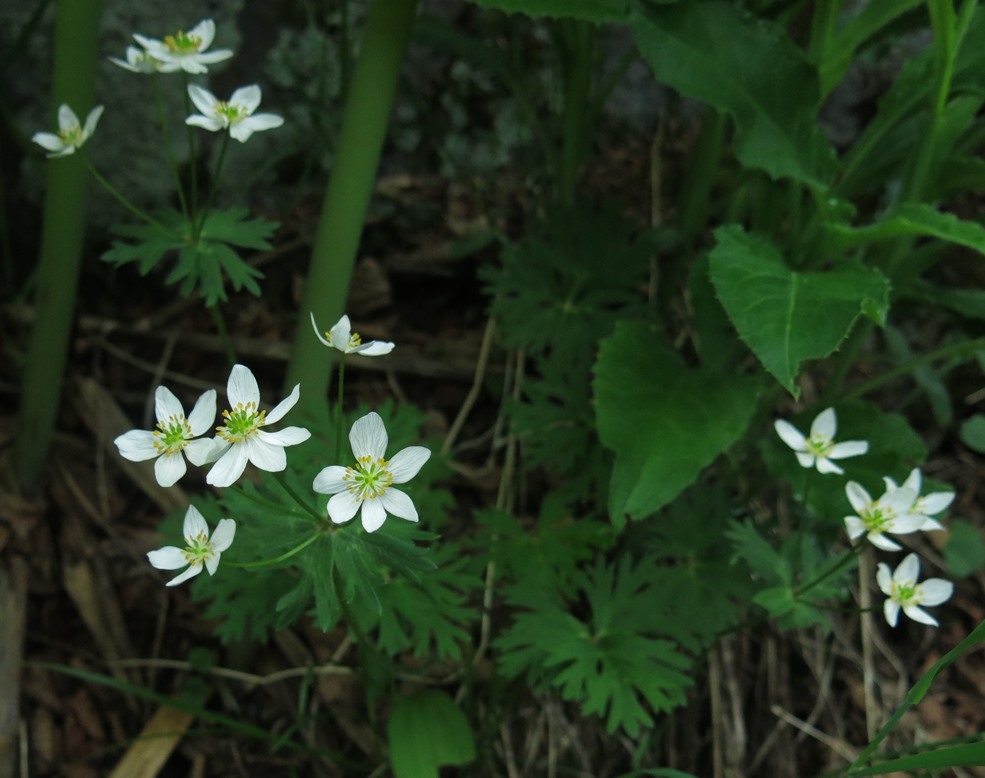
x=365 y=487
x=901 y=510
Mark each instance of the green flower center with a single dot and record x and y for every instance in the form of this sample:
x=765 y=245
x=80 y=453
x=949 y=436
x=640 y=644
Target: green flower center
x=241 y=423
x=71 y=136
x=904 y=592
x=368 y=479
x=877 y=518
x=199 y=549
x=183 y=43
x=820 y=447
x=172 y=434
x=231 y=113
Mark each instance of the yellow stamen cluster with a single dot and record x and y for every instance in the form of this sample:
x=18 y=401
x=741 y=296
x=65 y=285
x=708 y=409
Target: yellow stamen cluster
x=368 y=479
x=172 y=434
x=241 y=423
x=182 y=43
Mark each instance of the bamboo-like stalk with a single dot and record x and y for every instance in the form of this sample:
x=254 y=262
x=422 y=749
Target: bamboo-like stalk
x=364 y=124
x=62 y=232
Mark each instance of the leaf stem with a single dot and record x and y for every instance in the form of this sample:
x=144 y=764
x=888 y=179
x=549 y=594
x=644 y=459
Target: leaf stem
x=223 y=333
x=214 y=184
x=123 y=200
x=281 y=558
x=168 y=150
x=338 y=409
x=297 y=498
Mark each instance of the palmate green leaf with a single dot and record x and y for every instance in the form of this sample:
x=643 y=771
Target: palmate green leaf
x=665 y=421
x=589 y=10
x=787 y=317
x=745 y=67
x=913 y=220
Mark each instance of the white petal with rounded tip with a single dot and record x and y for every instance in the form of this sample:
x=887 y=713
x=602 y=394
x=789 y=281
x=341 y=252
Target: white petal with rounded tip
x=266 y=456
x=857 y=496
x=805 y=460
x=825 y=425
x=789 y=434
x=855 y=527
x=203 y=414
x=210 y=123
x=167 y=558
x=826 y=466
x=280 y=410
x=289 y=436
x=931 y=525
x=884 y=578
x=166 y=404
x=913 y=480
x=169 y=468
x=247 y=96
x=137 y=445
x=904 y=525
x=216 y=450
x=908 y=570
x=399 y=504
x=67 y=118
x=341 y=333
x=375 y=348
x=212 y=564
x=203 y=99
x=329 y=480
x=368 y=437
x=408 y=463
x=919 y=615
x=850 y=448
x=199 y=451
x=936 y=502
x=205 y=32
x=194 y=524
x=91 y=121
x=890 y=610
x=342 y=507
x=211 y=57
x=223 y=536
x=148 y=44
x=242 y=388
x=191 y=572
x=48 y=140
x=881 y=541
x=229 y=466
x=373 y=515
x=934 y=591
x=898 y=501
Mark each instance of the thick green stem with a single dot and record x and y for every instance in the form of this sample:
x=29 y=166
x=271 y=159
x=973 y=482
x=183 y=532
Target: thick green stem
x=62 y=234
x=357 y=157
x=339 y=415
x=576 y=45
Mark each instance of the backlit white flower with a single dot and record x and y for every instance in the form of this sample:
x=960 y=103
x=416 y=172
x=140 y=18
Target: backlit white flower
x=904 y=592
x=241 y=439
x=369 y=483
x=71 y=134
x=926 y=506
x=201 y=549
x=186 y=50
x=820 y=448
x=342 y=337
x=236 y=114
x=876 y=518
x=142 y=61
x=173 y=438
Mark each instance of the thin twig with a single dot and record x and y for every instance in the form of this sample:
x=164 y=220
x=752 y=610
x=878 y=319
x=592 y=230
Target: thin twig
x=477 y=380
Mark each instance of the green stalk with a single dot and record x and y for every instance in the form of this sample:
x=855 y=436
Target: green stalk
x=166 y=135
x=357 y=157
x=119 y=197
x=213 y=184
x=192 y=158
x=62 y=235
x=576 y=43
x=276 y=560
x=339 y=416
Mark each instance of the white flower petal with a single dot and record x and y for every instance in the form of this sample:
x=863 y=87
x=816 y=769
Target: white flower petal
x=913 y=481
x=408 y=463
x=203 y=99
x=373 y=515
x=855 y=527
x=884 y=578
x=805 y=460
x=904 y=525
x=790 y=435
x=240 y=131
x=205 y=32
x=166 y=404
x=934 y=591
x=223 y=536
x=194 y=524
x=318 y=333
x=931 y=525
x=49 y=141
x=191 y=572
x=211 y=57
x=229 y=467
x=826 y=466
x=281 y=409
x=375 y=348
x=890 y=610
x=167 y=558
x=329 y=480
x=398 y=503
x=266 y=456
x=881 y=541
x=936 y=502
x=341 y=333
x=342 y=507
x=137 y=445
x=908 y=570
x=289 y=436
x=242 y=389
x=919 y=615
x=202 y=417
x=368 y=437
x=169 y=468
x=210 y=123
x=199 y=452
x=67 y=119
x=212 y=563
x=247 y=96
x=91 y=121
x=849 y=448
x=825 y=425
x=857 y=496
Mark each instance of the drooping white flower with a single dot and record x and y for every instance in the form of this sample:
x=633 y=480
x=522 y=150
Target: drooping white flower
x=241 y=439
x=876 y=518
x=201 y=549
x=342 y=337
x=142 y=61
x=820 y=448
x=903 y=591
x=186 y=50
x=173 y=438
x=71 y=134
x=236 y=114
x=927 y=506
x=369 y=483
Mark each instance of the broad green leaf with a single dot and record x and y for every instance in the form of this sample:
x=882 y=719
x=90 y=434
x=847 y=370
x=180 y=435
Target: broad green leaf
x=785 y=316
x=747 y=68
x=427 y=730
x=954 y=756
x=973 y=433
x=589 y=10
x=965 y=549
x=665 y=421
x=914 y=220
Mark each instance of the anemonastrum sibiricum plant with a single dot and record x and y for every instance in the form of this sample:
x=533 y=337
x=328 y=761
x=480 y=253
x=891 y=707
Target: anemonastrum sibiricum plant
x=902 y=591
x=877 y=518
x=242 y=438
x=368 y=485
x=342 y=337
x=71 y=134
x=201 y=549
x=186 y=50
x=142 y=61
x=820 y=448
x=235 y=114
x=927 y=506
x=174 y=437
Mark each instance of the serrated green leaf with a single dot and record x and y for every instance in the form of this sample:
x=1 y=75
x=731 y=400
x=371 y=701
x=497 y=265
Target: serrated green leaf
x=590 y=10
x=232 y=226
x=702 y=49
x=426 y=731
x=665 y=420
x=787 y=317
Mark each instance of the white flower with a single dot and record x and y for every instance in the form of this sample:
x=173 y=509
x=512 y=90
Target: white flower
x=877 y=517
x=172 y=437
x=201 y=550
x=926 y=506
x=342 y=338
x=240 y=439
x=820 y=448
x=368 y=484
x=71 y=134
x=236 y=113
x=186 y=50
x=142 y=61
x=904 y=592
